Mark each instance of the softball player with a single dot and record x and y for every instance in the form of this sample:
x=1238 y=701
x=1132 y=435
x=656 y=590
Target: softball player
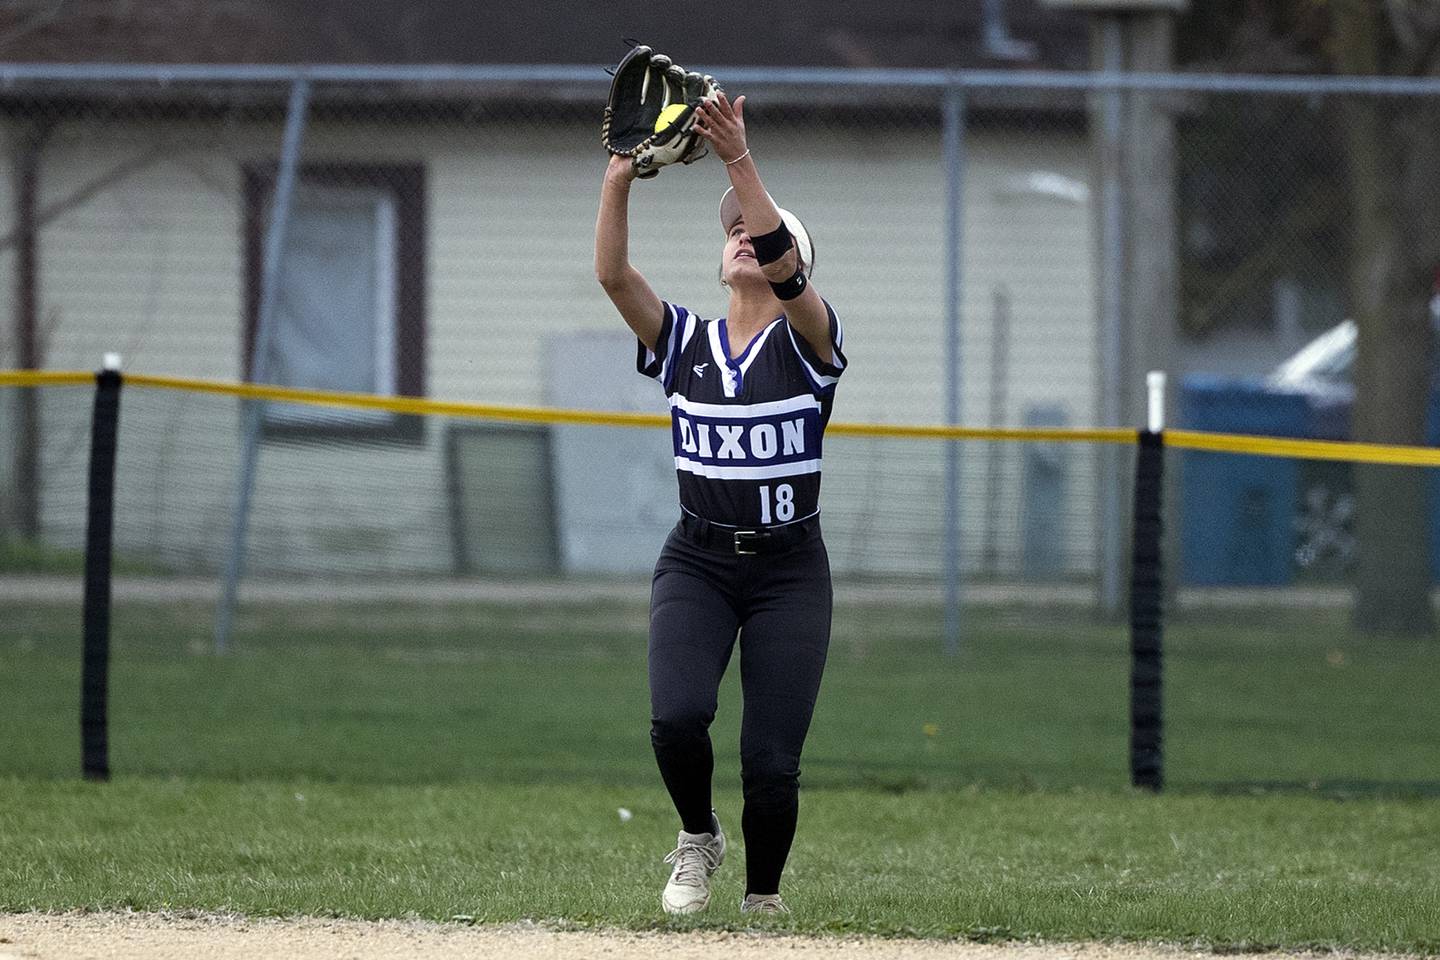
x=750 y=394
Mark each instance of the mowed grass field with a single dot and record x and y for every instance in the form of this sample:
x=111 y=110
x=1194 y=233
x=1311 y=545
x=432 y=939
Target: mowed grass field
x=393 y=760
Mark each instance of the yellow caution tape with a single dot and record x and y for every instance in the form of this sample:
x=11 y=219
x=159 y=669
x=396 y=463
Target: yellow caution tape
x=1177 y=439
x=487 y=411
x=410 y=405
x=45 y=378
x=1347 y=451
x=939 y=432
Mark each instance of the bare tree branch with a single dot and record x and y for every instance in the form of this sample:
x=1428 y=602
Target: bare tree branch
x=108 y=179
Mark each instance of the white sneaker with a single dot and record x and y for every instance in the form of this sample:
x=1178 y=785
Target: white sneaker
x=763 y=903
x=696 y=856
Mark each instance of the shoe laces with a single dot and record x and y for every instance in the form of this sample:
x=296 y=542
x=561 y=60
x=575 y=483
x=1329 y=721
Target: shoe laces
x=694 y=862
x=761 y=904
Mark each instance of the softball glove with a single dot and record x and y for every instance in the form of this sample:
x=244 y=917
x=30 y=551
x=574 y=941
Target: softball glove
x=651 y=111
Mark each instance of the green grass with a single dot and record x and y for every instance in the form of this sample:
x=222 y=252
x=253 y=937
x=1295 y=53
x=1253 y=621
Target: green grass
x=983 y=795
x=23 y=555
x=1238 y=872
x=424 y=695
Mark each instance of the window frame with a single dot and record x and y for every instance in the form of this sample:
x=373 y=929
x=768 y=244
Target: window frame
x=406 y=184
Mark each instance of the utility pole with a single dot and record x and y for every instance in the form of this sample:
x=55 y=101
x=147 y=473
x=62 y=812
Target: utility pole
x=30 y=144
x=1132 y=134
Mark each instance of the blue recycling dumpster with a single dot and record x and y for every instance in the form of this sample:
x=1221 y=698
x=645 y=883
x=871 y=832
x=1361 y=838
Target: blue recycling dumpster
x=1237 y=511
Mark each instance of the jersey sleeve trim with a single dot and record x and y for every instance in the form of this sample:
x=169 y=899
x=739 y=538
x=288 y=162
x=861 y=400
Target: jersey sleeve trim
x=822 y=376
x=676 y=328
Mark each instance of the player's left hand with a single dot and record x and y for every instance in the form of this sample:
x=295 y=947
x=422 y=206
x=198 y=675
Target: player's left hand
x=650 y=110
x=723 y=124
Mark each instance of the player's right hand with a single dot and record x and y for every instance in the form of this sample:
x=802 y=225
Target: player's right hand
x=723 y=124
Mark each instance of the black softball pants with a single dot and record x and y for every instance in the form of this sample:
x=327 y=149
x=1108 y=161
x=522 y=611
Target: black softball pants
x=779 y=605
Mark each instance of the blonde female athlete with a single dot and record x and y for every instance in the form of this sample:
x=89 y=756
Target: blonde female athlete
x=750 y=394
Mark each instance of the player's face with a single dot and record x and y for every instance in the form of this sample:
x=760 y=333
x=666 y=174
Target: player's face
x=738 y=261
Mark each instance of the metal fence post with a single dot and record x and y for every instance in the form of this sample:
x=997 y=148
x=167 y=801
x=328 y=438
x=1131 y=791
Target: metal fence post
x=253 y=411
x=953 y=138
x=1112 y=320
x=990 y=552
x=30 y=141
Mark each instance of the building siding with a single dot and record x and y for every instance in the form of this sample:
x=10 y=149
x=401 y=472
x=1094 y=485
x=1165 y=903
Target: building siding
x=152 y=266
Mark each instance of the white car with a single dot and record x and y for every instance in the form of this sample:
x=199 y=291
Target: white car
x=1328 y=359
x=1324 y=521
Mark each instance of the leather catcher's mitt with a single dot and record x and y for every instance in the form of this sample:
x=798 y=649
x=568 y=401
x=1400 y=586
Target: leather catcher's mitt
x=645 y=84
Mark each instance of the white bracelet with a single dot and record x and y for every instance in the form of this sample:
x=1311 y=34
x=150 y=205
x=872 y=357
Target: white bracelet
x=739 y=158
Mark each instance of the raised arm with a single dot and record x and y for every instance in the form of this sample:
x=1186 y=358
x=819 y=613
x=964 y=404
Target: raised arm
x=723 y=124
x=627 y=289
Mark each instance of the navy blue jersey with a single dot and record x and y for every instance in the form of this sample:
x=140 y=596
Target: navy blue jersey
x=747 y=431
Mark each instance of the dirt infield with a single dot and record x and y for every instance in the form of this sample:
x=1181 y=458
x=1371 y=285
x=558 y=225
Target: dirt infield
x=112 y=936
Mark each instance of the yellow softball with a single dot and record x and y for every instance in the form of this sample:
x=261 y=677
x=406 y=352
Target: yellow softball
x=668 y=116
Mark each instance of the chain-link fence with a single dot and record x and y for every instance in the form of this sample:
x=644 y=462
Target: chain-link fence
x=437 y=241
x=1004 y=251
x=1003 y=254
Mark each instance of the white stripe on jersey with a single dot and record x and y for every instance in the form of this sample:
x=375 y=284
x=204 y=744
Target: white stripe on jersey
x=682 y=328
x=691 y=322
x=746 y=411
x=665 y=347
x=730 y=380
x=757 y=345
x=747 y=473
x=670 y=343
x=820 y=381
x=717 y=353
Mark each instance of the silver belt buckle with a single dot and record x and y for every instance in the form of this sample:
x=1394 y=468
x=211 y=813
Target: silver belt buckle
x=743 y=537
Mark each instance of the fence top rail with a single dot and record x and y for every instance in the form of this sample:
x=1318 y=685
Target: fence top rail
x=12 y=74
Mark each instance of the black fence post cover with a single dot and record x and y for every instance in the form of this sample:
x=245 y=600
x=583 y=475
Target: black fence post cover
x=99 y=526
x=1147 y=721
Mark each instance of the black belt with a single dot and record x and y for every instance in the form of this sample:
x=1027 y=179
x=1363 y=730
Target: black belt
x=751 y=541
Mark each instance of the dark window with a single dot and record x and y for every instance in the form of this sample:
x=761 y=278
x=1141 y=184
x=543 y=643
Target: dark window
x=349 y=312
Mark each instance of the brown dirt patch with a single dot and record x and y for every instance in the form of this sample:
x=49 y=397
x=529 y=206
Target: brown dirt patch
x=113 y=936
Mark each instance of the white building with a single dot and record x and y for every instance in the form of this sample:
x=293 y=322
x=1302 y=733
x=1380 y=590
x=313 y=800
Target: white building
x=447 y=258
